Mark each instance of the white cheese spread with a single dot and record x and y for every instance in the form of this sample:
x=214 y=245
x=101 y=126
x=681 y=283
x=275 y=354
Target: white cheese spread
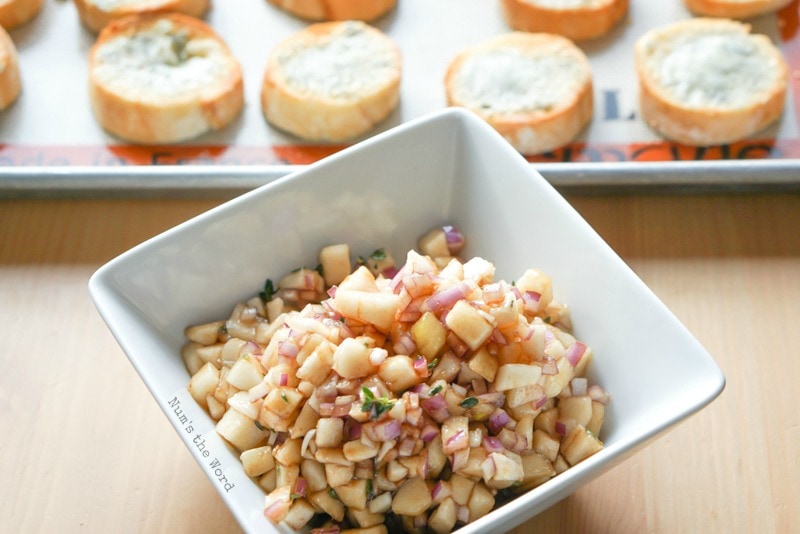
x=160 y=62
x=346 y=65
x=507 y=81
x=722 y=70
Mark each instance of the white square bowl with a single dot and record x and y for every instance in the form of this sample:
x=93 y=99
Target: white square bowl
x=449 y=167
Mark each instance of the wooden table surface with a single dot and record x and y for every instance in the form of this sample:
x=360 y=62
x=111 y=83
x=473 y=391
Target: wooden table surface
x=86 y=449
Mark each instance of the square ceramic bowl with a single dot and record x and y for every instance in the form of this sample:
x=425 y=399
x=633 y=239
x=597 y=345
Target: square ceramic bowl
x=449 y=167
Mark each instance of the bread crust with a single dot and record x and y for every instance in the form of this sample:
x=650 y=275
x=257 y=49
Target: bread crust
x=734 y=9
x=578 y=23
x=96 y=18
x=138 y=115
x=320 y=114
x=10 y=84
x=703 y=125
x=331 y=10
x=538 y=130
x=16 y=12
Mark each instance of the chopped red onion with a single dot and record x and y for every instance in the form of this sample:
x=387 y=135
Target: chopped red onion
x=436 y=407
x=458 y=347
x=396 y=282
x=301 y=486
x=455 y=239
x=421 y=366
x=288 y=348
x=498 y=337
x=429 y=432
x=284 y=379
x=332 y=291
x=353 y=430
x=561 y=428
x=404 y=345
x=493 y=444
x=495 y=398
x=575 y=352
x=437 y=489
x=530 y=301
x=498 y=420
x=597 y=393
x=446 y=298
x=406 y=448
x=389 y=429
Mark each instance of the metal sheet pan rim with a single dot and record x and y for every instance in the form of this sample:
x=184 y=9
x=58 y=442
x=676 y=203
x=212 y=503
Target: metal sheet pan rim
x=204 y=180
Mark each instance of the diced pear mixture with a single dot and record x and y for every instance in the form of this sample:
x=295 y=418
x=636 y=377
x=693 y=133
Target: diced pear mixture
x=397 y=397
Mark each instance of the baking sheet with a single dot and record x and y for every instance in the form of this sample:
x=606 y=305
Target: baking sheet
x=49 y=140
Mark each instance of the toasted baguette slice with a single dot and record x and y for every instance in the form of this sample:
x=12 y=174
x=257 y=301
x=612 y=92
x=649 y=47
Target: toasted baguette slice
x=16 y=12
x=9 y=71
x=533 y=88
x=331 y=81
x=163 y=78
x=734 y=9
x=96 y=14
x=575 y=19
x=322 y=10
x=709 y=81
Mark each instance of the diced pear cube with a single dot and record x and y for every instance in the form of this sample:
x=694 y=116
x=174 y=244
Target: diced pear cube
x=204 y=334
x=455 y=434
x=578 y=409
x=377 y=309
x=468 y=324
x=429 y=334
x=335 y=261
x=330 y=431
x=516 y=375
x=413 y=498
x=240 y=431
x=244 y=374
x=351 y=359
x=483 y=363
x=353 y=494
x=359 y=281
x=191 y=359
x=434 y=243
x=579 y=444
x=338 y=475
x=303 y=279
x=314 y=473
x=462 y=488
x=203 y=384
x=306 y=420
x=357 y=451
x=443 y=519
x=288 y=452
x=299 y=514
x=398 y=373
x=479 y=270
x=317 y=365
x=598 y=417
x=538 y=282
x=545 y=444
x=328 y=504
x=368 y=522
x=480 y=502
x=536 y=467
x=283 y=401
x=257 y=461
